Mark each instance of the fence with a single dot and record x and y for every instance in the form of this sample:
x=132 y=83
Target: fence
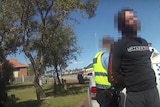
x=43 y=79
x=21 y=79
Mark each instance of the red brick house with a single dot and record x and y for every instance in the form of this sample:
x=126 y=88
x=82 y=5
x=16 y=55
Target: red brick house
x=20 y=68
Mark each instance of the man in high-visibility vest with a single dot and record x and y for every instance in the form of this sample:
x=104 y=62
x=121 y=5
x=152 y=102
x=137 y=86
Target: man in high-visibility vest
x=105 y=92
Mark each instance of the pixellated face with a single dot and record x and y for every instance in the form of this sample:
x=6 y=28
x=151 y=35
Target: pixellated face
x=131 y=21
x=107 y=41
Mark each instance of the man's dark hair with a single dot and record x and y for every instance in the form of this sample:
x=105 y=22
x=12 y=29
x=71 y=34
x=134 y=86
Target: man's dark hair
x=120 y=19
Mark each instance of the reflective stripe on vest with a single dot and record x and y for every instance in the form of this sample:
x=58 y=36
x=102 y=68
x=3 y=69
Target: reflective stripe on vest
x=103 y=86
x=101 y=76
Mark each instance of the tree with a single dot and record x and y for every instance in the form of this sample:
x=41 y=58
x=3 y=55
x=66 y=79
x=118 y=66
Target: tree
x=40 y=20
x=62 y=49
x=9 y=42
x=30 y=69
x=7 y=69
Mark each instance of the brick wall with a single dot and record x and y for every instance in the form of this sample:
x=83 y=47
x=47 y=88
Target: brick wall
x=23 y=71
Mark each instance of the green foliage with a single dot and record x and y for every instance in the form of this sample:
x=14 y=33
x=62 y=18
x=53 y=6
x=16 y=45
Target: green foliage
x=30 y=70
x=35 y=24
x=8 y=69
x=9 y=41
x=62 y=47
x=88 y=7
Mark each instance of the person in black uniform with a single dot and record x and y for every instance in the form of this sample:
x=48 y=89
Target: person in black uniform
x=130 y=64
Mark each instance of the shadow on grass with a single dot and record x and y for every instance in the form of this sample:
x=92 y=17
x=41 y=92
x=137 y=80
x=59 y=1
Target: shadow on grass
x=29 y=103
x=19 y=86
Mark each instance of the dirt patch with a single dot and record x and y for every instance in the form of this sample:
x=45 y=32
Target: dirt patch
x=84 y=103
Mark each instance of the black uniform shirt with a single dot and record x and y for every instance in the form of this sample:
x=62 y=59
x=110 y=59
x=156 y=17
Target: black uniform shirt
x=130 y=64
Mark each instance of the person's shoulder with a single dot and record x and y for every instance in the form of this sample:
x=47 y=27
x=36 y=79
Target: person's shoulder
x=106 y=53
x=121 y=41
x=142 y=40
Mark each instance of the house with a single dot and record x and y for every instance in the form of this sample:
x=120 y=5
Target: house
x=20 y=68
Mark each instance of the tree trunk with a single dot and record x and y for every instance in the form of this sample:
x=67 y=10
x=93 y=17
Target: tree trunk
x=59 y=81
x=55 y=85
x=39 y=91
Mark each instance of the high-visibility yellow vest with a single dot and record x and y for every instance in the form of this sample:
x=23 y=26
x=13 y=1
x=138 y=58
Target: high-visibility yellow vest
x=101 y=75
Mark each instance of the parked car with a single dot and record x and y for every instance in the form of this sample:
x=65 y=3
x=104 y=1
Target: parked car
x=85 y=74
x=155 y=59
x=80 y=78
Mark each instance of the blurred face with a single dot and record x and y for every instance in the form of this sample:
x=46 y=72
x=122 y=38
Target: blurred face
x=107 y=42
x=131 y=21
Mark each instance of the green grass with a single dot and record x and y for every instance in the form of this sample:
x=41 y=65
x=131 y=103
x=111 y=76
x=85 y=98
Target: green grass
x=26 y=96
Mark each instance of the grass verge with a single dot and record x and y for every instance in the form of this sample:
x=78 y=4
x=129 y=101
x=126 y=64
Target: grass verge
x=26 y=97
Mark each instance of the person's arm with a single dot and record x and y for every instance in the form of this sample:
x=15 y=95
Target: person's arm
x=114 y=65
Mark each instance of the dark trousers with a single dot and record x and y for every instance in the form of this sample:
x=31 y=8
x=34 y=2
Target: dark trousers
x=107 y=98
x=149 y=98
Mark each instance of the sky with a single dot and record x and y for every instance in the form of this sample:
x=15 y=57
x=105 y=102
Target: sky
x=91 y=31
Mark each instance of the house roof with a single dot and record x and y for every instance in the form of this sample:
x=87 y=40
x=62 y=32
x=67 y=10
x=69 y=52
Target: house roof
x=16 y=63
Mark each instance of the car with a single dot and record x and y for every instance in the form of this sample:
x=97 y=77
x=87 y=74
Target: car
x=80 y=78
x=92 y=92
x=85 y=74
x=155 y=60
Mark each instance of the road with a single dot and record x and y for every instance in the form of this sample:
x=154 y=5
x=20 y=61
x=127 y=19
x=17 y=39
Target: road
x=70 y=77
